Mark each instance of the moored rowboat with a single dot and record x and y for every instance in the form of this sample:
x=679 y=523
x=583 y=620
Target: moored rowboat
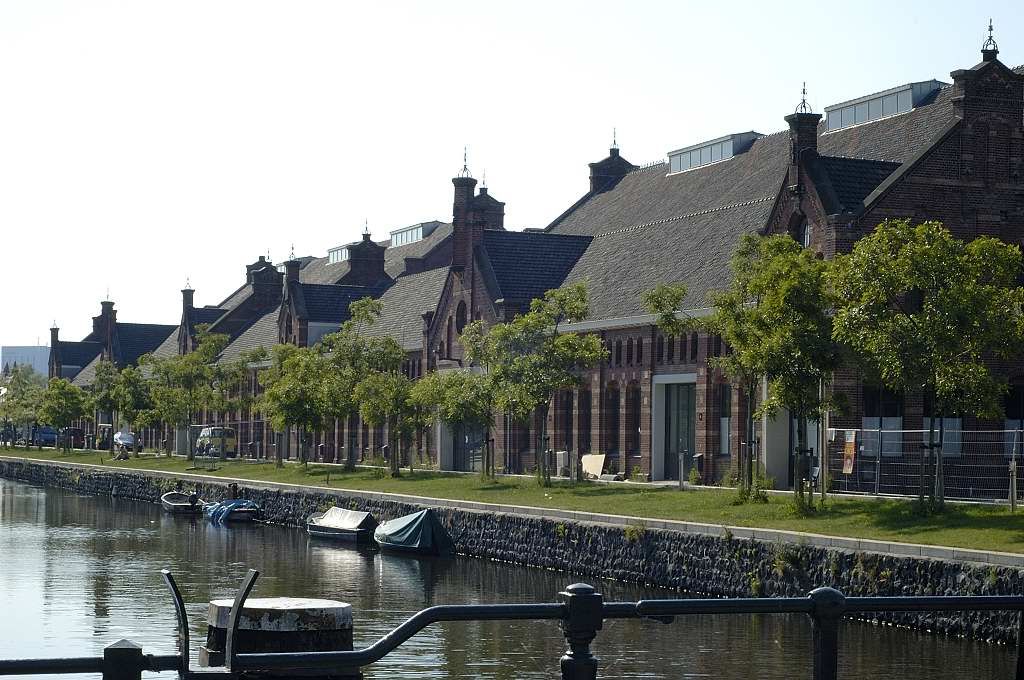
x=179 y=503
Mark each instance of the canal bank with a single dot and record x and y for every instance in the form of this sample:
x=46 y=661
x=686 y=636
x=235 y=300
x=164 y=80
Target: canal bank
x=726 y=564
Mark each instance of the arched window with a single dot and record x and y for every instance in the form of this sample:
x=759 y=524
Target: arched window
x=460 y=317
x=694 y=338
x=618 y=352
x=639 y=350
x=629 y=352
x=682 y=347
x=804 y=232
x=661 y=348
x=671 y=341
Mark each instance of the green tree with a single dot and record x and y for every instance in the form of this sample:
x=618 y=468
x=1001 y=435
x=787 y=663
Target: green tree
x=354 y=352
x=384 y=399
x=460 y=399
x=183 y=384
x=294 y=394
x=133 y=397
x=62 y=403
x=21 y=398
x=926 y=312
x=103 y=391
x=530 y=359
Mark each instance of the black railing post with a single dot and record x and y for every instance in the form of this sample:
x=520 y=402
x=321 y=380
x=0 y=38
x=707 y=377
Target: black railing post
x=828 y=606
x=122 y=661
x=584 y=617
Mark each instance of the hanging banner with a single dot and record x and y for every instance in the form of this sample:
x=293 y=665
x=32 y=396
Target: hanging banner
x=849 y=451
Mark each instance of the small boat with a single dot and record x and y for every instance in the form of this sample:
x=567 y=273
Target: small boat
x=237 y=510
x=342 y=525
x=421 y=533
x=179 y=503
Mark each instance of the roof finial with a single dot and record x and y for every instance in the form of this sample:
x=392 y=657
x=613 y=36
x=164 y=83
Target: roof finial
x=291 y=253
x=465 y=163
x=108 y=294
x=615 y=139
x=483 y=182
x=188 y=283
x=366 y=225
x=803 y=106
x=989 y=47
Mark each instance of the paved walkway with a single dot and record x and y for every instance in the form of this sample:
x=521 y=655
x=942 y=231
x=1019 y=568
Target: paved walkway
x=767 y=535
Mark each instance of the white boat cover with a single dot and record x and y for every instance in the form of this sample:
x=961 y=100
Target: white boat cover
x=339 y=518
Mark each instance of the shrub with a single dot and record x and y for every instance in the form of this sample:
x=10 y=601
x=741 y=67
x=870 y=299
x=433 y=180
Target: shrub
x=694 y=476
x=635 y=532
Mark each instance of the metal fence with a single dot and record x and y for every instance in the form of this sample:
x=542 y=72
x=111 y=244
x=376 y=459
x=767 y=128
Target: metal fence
x=976 y=464
x=580 y=609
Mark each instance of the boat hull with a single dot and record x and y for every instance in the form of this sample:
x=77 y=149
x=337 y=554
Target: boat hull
x=178 y=504
x=357 y=536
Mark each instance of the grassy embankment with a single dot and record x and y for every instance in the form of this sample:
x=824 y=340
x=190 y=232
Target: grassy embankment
x=984 y=527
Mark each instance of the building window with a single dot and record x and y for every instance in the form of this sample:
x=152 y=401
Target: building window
x=335 y=255
x=804 y=233
x=693 y=346
x=618 y=352
x=639 y=350
x=460 y=317
x=724 y=419
x=682 y=347
x=671 y=340
x=633 y=418
x=661 y=348
x=1014 y=424
x=718 y=345
x=629 y=352
x=883 y=419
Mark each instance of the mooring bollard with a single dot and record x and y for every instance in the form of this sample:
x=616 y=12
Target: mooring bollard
x=279 y=624
x=584 y=618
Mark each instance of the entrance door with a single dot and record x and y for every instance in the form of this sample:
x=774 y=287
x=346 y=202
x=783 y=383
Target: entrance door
x=468 y=449
x=680 y=437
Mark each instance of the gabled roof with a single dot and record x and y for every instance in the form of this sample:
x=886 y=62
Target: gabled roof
x=85 y=377
x=136 y=339
x=327 y=303
x=263 y=332
x=207 y=314
x=79 y=353
x=851 y=180
x=404 y=303
x=525 y=265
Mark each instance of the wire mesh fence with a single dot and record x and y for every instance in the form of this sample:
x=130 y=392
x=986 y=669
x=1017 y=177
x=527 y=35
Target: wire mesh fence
x=976 y=464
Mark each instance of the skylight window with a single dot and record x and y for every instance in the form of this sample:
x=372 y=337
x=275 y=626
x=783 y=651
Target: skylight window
x=416 y=232
x=714 y=151
x=880 y=105
x=335 y=255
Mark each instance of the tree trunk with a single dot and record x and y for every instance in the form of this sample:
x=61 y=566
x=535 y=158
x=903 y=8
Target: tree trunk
x=751 y=450
x=543 y=432
x=393 y=448
x=801 y=446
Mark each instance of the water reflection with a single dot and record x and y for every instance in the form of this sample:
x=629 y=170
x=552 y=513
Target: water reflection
x=78 y=572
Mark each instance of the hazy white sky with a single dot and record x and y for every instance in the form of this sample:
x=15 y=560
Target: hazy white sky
x=143 y=143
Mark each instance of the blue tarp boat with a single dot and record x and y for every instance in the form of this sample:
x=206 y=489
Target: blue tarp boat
x=420 y=532
x=238 y=510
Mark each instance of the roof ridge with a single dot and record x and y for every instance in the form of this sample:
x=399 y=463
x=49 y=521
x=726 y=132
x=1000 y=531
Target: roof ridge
x=858 y=158
x=665 y=220
x=532 y=233
x=647 y=166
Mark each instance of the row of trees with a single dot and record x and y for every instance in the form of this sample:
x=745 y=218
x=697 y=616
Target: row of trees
x=913 y=307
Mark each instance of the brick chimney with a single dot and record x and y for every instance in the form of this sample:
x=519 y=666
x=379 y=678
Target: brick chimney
x=803 y=133
x=55 y=363
x=605 y=174
x=462 y=220
x=291 y=270
x=997 y=97
x=187 y=296
x=365 y=263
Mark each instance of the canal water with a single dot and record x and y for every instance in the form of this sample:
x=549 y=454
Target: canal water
x=78 y=572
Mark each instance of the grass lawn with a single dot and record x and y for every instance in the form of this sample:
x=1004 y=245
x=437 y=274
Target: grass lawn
x=984 y=527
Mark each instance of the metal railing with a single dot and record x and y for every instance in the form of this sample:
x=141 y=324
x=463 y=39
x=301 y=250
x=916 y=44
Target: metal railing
x=580 y=608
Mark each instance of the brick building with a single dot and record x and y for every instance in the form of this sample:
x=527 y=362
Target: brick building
x=926 y=150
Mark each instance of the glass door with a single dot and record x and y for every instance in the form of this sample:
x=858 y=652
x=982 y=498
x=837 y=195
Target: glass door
x=680 y=437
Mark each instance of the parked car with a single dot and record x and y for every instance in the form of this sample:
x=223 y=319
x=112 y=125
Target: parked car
x=44 y=436
x=124 y=441
x=74 y=437
x=212 y=438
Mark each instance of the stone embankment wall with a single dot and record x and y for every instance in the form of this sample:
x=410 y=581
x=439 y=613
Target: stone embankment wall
x=694 y=563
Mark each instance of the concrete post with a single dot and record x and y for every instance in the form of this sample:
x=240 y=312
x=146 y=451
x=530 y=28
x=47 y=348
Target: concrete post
x=279 y=624
x=122 y=661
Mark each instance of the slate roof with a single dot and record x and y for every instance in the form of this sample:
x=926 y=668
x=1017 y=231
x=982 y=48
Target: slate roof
x=853 y=179
x=404 y=303
x=261 y=333
x=136 y=339
x=328 y=303
x=85 y=377
x=525 y=265
x=207 y=314
x=78 y=353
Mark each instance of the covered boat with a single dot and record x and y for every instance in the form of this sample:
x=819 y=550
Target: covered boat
x=237 y=510
x=420 y=532
x=180 y=503
x=342 y=525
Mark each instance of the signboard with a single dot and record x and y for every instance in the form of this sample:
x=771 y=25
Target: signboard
x=849 y=451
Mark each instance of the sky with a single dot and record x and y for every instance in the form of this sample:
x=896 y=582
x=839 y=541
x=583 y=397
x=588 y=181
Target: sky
x=145 y=144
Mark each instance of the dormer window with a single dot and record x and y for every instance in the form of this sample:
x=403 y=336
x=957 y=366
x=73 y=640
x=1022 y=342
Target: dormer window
x=714 y=151
x=880 y=105
x=335 y=255
x=416 y=232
